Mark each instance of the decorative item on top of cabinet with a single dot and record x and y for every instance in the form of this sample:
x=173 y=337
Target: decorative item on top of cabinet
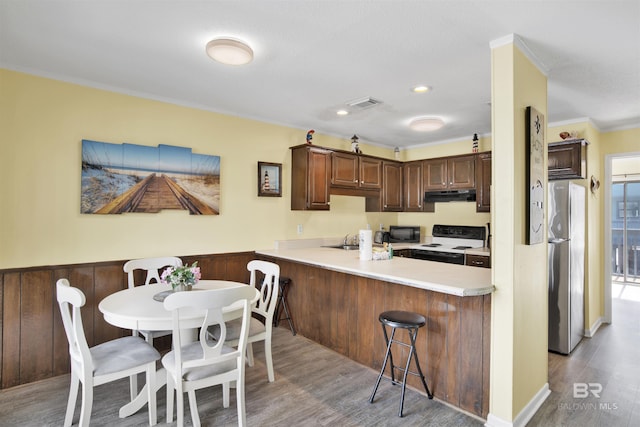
x=447 y=173
x=567 y=159
x=483 y=182
x=478 y=261
x=355 y=147
x=310 y=173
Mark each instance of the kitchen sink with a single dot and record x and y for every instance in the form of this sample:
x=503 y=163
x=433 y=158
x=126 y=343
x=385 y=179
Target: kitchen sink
x=344 y=247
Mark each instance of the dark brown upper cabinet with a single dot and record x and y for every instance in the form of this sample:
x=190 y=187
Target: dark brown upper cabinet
x=448 y=173
x=391 y=186
x=310 y=174
x=567 y=159
x=413 y=186
x=355 y=171
x=483 y=182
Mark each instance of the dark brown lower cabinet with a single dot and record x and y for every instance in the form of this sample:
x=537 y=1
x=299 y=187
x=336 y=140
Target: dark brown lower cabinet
x=478 y=261
x=340 y=311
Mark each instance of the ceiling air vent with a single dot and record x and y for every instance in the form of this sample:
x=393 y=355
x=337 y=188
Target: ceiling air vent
x=364 y=103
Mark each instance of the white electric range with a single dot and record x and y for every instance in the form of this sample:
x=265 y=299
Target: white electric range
x=449 y=243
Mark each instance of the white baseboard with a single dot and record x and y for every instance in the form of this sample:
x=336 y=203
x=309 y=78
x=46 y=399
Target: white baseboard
x=594 y=328
x=525 y=415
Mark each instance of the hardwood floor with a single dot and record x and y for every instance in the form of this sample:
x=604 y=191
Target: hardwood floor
x=316 y=387
x=610 y=359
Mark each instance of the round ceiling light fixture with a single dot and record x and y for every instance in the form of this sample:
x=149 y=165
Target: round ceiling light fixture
x=426 y=124
x=421 y=89
x=229 y=51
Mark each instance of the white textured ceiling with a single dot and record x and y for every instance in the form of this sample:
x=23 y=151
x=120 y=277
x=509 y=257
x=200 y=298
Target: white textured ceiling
x=313 y=56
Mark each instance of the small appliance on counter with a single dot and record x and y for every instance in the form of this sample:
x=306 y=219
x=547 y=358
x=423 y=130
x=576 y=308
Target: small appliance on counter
x=449 y=243
x=404 y=234
x=381 y=237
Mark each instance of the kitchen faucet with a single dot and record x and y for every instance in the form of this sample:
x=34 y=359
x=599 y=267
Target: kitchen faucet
x=354 y=240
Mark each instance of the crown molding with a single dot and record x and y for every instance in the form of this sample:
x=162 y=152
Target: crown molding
x=522 y=46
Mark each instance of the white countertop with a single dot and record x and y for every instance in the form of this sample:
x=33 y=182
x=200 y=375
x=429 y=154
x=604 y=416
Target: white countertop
x=460 y=280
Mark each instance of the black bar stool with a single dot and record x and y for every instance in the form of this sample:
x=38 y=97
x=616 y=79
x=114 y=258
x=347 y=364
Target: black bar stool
x=282 y=304
x=411 y=322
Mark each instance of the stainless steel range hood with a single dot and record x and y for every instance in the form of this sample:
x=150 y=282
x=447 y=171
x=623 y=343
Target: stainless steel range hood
x=450 y=196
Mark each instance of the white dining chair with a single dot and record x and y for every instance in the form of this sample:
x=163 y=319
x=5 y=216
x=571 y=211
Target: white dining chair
x=205 y=363
x=259 y=328
x=103 y=363
x=152 y=269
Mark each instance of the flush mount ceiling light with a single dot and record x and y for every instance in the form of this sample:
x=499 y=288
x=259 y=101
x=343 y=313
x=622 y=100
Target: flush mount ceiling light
x=426 y=124
x=229 y=51
x=420 y=89
x=342 y=112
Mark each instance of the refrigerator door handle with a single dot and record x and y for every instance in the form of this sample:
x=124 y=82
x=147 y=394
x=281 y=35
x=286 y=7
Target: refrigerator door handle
x=558 y=240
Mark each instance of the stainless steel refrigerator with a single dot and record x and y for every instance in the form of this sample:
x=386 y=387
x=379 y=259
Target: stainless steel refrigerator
x=566 y=265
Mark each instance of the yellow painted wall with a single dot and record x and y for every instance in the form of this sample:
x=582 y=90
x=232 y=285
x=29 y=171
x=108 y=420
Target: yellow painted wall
x=519 y=305
x=42 y=124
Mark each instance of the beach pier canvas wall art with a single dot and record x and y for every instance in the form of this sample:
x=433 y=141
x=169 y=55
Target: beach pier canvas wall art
x=119 y=178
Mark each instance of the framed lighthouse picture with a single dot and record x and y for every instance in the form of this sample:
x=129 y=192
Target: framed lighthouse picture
x=269 y=179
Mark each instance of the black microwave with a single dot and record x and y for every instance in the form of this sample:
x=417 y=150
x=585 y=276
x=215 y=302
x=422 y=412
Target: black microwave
x=404 y=234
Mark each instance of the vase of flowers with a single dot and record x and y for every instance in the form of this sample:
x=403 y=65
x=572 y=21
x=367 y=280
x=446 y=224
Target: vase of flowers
x=181 y=278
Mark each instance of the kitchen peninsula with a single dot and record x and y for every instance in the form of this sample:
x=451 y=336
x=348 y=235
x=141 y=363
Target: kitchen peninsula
x=335 y=299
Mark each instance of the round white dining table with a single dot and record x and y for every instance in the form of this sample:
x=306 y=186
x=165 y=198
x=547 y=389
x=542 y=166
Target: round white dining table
x=135 y=308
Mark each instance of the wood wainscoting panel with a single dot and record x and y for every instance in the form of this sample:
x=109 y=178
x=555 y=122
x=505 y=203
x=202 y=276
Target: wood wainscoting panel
x=11 y=330
x=470 y=354
x=340 y=311
x=107 y=280
x=367 y=297
x=34 y=345
x=36 y=326
x=1 y=319
x=437 y=356
x=452 y=337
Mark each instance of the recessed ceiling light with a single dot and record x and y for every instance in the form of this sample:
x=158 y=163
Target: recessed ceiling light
x=426 y=124
x=342 y=112
x=421 y=89
x=229 y=51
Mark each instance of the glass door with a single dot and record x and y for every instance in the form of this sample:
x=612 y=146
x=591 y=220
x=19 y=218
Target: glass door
x=625 y=232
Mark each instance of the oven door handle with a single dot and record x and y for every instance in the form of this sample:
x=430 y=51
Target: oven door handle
x=443 y=254
x=440 y=254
